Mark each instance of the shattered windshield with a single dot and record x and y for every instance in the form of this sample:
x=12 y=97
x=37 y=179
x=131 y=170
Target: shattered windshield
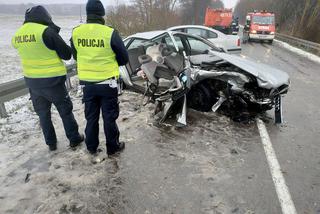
x=265 y=20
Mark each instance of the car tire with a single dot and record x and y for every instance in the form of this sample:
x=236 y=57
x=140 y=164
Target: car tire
x=200 y=98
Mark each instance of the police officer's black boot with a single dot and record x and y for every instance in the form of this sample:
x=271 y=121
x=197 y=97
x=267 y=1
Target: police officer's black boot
x=74 y=144
x=52 y=147
x=120 y=148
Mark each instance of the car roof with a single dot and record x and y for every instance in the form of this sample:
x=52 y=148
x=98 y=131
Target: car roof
x=147 y=35
x=194 y=26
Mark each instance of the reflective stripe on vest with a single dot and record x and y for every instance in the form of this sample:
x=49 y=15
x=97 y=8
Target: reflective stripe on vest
x=95 y=58
x=37 y=60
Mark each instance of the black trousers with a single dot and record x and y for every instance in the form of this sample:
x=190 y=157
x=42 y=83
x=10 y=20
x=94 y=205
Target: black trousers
x=98 y=97
x=42 y=100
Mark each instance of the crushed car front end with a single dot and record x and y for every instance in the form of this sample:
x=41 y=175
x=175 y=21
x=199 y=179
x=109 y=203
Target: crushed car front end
x=239 y=85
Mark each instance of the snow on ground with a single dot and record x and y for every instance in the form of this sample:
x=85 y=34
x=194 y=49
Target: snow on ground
x=298 y=51
x=17 y=103
x=22 y=121
x=157 y=164
x=10 y=68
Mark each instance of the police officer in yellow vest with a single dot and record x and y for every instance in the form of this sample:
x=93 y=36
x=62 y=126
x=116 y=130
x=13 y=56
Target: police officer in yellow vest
x=41 y=49
x=99 y=51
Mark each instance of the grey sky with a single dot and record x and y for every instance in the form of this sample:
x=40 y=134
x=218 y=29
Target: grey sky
x=228 y=3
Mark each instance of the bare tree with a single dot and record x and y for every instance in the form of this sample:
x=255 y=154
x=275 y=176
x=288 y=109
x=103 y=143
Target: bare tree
x=144 y=15
x=194 y=10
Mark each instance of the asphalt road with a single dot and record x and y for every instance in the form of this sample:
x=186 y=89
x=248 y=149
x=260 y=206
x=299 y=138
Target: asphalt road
x=212 y=166
x=297 y=142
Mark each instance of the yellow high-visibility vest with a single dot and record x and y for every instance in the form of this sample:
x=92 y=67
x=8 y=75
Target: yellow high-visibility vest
x=37 y=60
x=95 y=58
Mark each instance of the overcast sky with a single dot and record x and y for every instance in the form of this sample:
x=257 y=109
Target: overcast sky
x=228 y=3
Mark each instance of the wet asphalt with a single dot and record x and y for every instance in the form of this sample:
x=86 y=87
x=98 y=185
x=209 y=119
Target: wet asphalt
x=297 y=141
x=212 y=166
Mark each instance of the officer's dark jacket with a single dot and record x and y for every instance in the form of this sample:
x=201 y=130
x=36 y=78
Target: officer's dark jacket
x=116 y=44
x=52 y=40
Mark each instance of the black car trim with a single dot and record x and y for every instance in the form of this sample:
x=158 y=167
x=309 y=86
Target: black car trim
x=235 y=49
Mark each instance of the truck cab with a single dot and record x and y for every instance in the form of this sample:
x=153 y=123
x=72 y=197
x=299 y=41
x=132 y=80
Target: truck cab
x=261 y=26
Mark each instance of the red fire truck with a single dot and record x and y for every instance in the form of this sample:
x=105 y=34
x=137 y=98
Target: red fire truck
x=260 y=26
x=219 y=19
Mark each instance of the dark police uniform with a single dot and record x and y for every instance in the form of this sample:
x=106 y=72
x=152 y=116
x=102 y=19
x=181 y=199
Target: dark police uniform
x=99 y=51
x=41 y=49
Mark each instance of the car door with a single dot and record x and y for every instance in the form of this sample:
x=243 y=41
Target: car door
x=135 y=49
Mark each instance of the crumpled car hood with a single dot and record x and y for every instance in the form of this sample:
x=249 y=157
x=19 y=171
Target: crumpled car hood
x=267 y=76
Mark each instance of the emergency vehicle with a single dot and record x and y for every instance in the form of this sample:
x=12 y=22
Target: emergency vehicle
x=219 y=19
x=260 y=26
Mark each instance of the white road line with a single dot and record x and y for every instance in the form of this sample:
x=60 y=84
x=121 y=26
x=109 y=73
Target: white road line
x=282 y=189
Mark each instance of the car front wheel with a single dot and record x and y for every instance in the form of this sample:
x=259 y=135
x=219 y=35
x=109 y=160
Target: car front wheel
x=200 y=98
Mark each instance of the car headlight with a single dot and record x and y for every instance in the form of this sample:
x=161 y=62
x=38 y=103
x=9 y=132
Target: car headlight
x=253 y=31
x=272 y=33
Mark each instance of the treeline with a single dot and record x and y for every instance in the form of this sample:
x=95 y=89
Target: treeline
x=145 y=15
x=54 y=9
x=299 y=18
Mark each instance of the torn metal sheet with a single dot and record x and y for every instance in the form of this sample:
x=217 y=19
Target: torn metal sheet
x=268 y=77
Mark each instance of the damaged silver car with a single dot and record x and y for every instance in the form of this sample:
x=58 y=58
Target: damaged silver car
x=177 y=71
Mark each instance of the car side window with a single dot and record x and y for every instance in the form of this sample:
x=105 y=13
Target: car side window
x=212 y=35
x=135 y=43
x=169 y=41
x=179 y=30
x=166 y=40
x=198 y=32
x=197 y=46
x=194 y=31
x=126 y=42
x=179 y=43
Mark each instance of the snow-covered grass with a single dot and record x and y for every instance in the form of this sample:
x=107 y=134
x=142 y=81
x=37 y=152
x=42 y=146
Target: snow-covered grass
x=10 y=63
x=17 y=103
x=23 y=121
x=298 y=51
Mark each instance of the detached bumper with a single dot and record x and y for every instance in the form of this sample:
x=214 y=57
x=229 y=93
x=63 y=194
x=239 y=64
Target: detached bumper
x=261 y=36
